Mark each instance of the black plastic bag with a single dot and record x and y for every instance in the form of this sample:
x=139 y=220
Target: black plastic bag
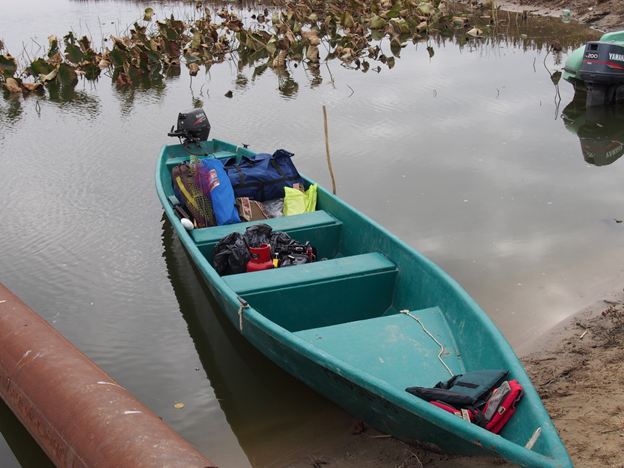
x=231 y=255
x=258 y=234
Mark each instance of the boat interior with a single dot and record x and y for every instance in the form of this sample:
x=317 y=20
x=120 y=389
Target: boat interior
x=351 y=297
x=344 y=304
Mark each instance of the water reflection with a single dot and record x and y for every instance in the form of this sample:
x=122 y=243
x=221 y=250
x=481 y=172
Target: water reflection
x=275 y=418
x=600 y=130
x=11 y=112
x=26 y=450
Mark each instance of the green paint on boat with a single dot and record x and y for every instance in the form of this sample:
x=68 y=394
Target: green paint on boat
x=337 y=324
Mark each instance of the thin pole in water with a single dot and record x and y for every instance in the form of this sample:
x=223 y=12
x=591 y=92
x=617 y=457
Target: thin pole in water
x=331 y=171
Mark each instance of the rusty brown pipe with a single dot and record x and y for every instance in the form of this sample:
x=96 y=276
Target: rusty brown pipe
x=75 y=411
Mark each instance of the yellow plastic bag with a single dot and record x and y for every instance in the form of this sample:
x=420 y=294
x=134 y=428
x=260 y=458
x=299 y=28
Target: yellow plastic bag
x=297 y=202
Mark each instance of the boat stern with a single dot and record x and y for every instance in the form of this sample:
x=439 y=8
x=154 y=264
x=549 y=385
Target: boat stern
x=573 y=65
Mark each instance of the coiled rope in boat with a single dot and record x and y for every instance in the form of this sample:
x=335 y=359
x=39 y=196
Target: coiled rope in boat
x=407 y=312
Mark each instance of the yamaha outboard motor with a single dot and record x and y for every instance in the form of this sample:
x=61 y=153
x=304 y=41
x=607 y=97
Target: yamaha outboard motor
x=603 y=71
x=193 y=127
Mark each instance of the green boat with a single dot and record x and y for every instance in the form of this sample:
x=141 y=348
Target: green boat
x=372 y=319
x=598 y=68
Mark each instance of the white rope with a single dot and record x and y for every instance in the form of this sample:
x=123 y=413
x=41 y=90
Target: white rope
x=406 y=312
x=244 y=305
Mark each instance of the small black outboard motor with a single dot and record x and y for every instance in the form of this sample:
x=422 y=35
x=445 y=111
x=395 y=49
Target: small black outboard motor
x=193 y=127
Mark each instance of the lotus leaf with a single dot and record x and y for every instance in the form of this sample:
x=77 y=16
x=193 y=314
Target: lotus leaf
x=377 y=22
x=8 y=65
x=12 y=86
x=426 y=9
x=347 y=28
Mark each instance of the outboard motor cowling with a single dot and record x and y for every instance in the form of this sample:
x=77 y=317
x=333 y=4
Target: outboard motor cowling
x=602 y=70
x=603 y=63
x=193 y=127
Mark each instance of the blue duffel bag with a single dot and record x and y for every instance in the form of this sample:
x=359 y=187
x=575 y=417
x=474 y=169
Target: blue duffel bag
x=262 y=176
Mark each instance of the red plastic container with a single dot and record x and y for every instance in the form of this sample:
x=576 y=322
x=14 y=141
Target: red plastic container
x=260 y=258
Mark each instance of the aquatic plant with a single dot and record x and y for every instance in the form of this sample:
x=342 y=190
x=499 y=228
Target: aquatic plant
x=293 y=32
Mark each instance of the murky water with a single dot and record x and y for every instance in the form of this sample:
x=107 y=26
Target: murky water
x=465 y=155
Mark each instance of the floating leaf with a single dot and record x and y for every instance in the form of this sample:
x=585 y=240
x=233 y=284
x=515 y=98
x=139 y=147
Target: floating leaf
x=55 y=60
x=179 y=405
x=73 y=53
x=32 y=86
x=377 y=22
x=395 y=47
x=190 y=58
x=8 y=65
x=401 y=25
x=117 y=57
x=104 y=64
x=149 y=12
x=347 y=20
x=123 y=79
x=12 y=86
x=426 y=9
x=459 y=21
x=280 y=60
x=53 y=43
x=312 y=37
x=312 y=54
x=475 y=32
x=271 y=46
x=50 y=76
x=85 y=43
x=67 y=75
x=39 y=67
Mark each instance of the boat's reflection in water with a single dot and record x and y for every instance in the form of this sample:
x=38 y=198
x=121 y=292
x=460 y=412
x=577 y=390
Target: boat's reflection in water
x=600 y=129
x=276 y=418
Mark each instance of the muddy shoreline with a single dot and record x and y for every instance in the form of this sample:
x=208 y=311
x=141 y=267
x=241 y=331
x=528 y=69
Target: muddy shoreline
x=603 y=15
